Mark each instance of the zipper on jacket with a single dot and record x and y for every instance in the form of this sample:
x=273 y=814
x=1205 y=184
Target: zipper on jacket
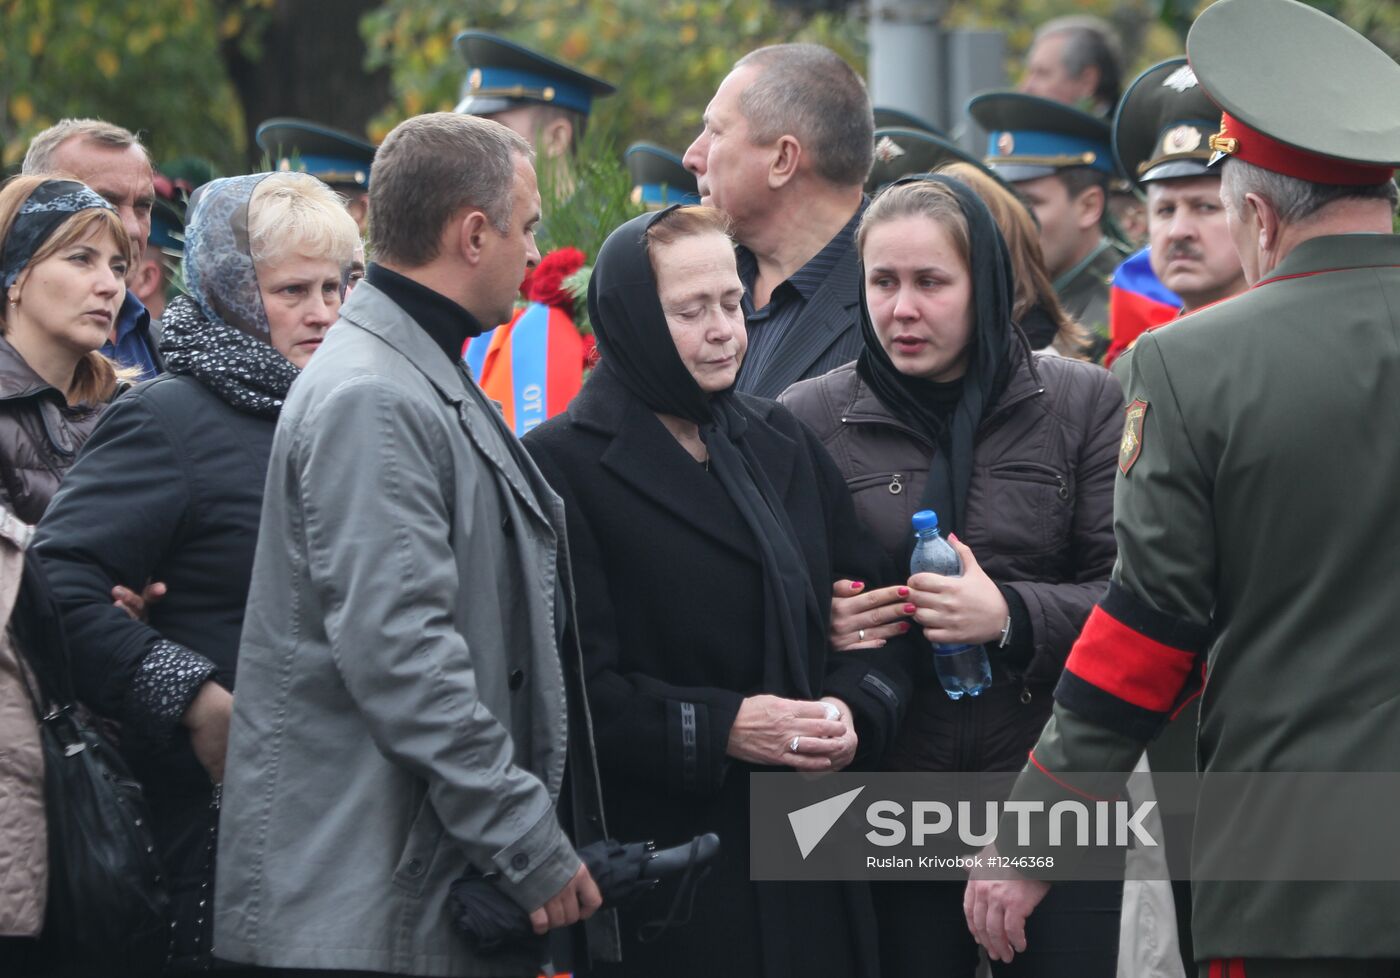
x=1031 y=472
x=894 y=481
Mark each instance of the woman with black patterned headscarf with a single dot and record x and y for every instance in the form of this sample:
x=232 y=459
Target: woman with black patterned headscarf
x=62 y=257
x=169 y=489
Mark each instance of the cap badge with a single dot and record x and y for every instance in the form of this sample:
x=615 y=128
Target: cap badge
x=1006 y=144
x=1181 y=79
x=887 y=150
x=474 y=79
x=1182 y=139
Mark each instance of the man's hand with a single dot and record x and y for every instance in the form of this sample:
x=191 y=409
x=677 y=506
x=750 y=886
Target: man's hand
x=997 y=909
x=867 y=619
x=578 y=900
x=207 y=717
x=800 y=734
x=134 y=604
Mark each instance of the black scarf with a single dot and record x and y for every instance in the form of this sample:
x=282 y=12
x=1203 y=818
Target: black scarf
x=244 y=372
x=923 y=403
x=637 y=350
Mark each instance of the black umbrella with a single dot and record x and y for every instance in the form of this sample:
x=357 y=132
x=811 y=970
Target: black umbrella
x=491 y=920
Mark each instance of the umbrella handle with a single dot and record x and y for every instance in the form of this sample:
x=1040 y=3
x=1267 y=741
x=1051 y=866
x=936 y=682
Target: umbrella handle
x=668 y=862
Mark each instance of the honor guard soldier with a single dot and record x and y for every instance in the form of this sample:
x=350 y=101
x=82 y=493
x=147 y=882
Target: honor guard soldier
x=1058 y=158
x=1255 y=518
x=1161 y=136
x=533 y=365
x=543 y=100
x=334 y=157
x=659 y=178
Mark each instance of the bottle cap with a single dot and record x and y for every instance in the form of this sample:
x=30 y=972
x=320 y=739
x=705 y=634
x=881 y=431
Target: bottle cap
x=925 y=519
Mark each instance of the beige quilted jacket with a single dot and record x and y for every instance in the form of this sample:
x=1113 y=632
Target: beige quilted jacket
x=24 y=864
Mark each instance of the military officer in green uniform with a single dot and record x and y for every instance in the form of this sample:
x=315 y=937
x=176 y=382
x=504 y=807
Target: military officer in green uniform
x=1161 y=137
x=1255 y=506
x=1059 y=159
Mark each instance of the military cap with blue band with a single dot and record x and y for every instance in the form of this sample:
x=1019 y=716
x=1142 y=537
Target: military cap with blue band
x=504 y=75
x=331 y=155
x=1163 y=125
x=659 y=178
x=1032 y=137
x=1300 y=92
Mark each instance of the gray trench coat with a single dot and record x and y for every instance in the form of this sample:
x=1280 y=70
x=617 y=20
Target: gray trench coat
x=401 y=704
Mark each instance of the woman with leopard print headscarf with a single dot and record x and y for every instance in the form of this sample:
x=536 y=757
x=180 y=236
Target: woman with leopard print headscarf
x=169 y=489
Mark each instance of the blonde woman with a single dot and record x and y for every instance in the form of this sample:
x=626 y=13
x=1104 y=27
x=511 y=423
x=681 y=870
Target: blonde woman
x=170 y=488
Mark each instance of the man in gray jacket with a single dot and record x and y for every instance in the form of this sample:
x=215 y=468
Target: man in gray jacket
x=401 y=706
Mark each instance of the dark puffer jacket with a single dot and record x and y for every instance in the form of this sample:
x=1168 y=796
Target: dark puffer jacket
x=1039 y=520
x=39 y=436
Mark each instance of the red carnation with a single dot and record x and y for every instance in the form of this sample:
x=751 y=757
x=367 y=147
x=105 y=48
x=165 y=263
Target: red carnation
x=546 y=283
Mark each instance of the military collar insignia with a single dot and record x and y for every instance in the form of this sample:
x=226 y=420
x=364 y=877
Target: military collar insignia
x=1131 y=446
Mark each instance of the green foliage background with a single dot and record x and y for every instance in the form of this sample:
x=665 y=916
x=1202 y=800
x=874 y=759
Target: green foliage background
x=157 y=65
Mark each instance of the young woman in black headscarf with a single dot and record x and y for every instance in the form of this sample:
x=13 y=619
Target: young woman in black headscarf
x=706 y=529
x=948 y=409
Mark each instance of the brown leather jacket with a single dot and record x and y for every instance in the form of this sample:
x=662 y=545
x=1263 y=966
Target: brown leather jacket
x=40 y=435
x=1039 y=521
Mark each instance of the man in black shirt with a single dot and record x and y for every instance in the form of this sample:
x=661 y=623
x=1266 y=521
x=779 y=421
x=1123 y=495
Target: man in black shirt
x=787 y=145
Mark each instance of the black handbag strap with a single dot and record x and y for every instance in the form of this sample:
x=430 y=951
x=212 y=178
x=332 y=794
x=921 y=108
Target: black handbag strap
x=36 y=629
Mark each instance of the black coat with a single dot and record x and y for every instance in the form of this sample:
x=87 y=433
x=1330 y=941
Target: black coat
x=169 y=488
x=670 y=605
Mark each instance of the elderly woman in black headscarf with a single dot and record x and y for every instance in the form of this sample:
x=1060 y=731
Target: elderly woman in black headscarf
x=705 y=531
x=169 y=489
x=947 y=409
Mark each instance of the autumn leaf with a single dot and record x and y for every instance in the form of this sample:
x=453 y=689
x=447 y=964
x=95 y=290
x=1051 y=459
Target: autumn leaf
x=22 y=108
x=108 y=63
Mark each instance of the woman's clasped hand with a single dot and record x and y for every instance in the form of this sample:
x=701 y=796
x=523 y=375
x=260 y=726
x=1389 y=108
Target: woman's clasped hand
x=804 y=735
x=970 y=608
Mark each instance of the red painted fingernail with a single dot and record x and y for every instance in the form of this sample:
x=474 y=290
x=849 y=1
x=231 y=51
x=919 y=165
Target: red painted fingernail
x=909 y=609
x=903 y=592
x=857 y=585
x=904 y=626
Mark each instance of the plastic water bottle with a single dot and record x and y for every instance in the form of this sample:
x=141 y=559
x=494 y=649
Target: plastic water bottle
x=962 y=669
